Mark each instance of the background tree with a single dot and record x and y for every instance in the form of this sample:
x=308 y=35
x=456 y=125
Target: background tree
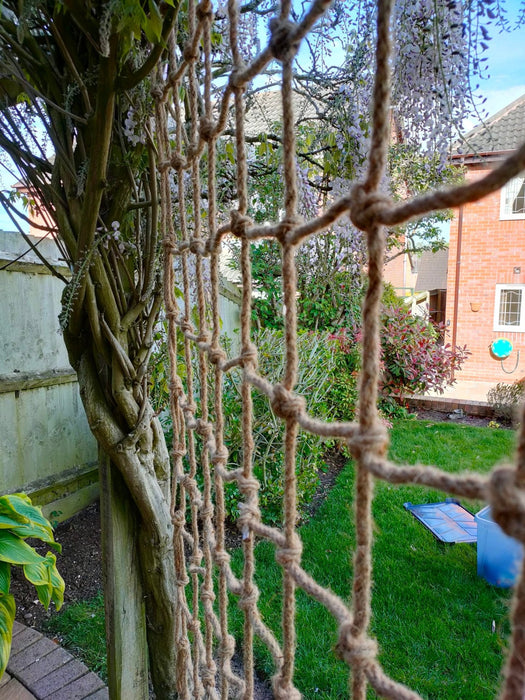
x=73 y=75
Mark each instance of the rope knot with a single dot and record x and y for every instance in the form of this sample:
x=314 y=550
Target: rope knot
x=365 y=207
x=178 y=453
x=204 y=10
x=249 y=598
x=186 y=326
x=284 y=690
x=249 y=356
x=228 y=645
x=507 y=501
x=190 y=53
x=217 y=355
x=177 y=161
x=156 y=92
x=238 y=223
x=207 y=512
x=178 y=519
x=221 y=557
x=360 y=651
x=248 y=486
x=289 y=223
x=237 y=80
x=373 y=440
x=220 y=456
x=286 y=404
x=290 y=554
x=197 y=246
x=283 y=43
x=206 y=129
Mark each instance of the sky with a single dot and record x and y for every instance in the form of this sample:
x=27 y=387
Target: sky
x=506 y=81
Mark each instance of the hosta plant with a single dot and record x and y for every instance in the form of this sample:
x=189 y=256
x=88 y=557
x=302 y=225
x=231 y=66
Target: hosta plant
x=20 y=520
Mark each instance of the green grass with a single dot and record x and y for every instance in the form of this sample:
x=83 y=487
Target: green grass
x=81 y=629
x=432 y=615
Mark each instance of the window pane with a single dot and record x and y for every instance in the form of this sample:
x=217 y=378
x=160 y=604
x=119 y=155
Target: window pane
x=510 y=307
x=518 y=205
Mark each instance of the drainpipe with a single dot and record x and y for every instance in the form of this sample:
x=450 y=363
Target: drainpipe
x=456 y=281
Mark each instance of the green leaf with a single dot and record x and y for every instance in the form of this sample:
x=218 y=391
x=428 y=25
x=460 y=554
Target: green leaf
x=47 y=581
x=230 y=152
x=155 y=20
x=18 y=504
x=15 y=551
x=57 y=595
x=7 y=617
x=5 y=577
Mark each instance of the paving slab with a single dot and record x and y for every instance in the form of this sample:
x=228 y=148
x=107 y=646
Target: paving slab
x=79 y=689
x=53 y=682
x=14 y=690
x=32 y=653
x=39 y=669
x=24 y=639
x=32 y=674
x=102 y=694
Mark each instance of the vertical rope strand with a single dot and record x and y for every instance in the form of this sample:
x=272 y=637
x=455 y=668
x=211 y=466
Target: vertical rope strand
x=248 y=487
x=283 y=681
x=362 y=581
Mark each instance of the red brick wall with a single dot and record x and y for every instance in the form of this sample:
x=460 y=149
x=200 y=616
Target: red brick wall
x=490 y=250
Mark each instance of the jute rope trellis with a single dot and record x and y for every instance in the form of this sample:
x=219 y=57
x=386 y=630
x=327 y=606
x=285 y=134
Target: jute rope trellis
x=204 y=663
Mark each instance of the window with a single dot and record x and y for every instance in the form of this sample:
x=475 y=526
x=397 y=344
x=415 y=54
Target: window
x=513 y=199
x=509 y=308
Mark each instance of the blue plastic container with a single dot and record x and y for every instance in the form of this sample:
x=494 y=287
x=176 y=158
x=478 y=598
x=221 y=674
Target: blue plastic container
x=499 y=556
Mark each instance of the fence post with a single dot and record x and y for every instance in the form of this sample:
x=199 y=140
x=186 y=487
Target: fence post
x=127 y=650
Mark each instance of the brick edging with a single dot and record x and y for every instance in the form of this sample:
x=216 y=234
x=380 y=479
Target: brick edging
x=48 y=671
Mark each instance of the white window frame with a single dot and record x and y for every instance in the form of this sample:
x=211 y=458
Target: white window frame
x=509 y=329
x=508 y=194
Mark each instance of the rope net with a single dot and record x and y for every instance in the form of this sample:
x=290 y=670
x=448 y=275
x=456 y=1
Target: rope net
x=205 y=580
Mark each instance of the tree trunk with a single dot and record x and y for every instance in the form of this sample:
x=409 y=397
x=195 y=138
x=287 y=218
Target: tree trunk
x=141 y=459
x=123 y=593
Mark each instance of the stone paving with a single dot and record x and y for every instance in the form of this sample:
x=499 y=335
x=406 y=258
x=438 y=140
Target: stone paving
x=39 y=669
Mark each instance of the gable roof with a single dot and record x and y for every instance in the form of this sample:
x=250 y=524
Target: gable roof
x=264 y=111
x=432 y=271
x=503 y=132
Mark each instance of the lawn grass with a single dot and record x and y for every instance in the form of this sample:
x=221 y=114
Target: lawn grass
x=81 y=629
x=432 y=615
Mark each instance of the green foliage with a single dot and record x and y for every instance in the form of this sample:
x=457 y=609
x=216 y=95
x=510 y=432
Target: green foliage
x=506 y=399
x=20 y=519
x=81 y=628
x=328 y=298
x=412 y=174
x=328 y=380
x=414 y=356
x=320 y=381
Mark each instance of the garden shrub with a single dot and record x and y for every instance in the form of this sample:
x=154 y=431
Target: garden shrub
x=505 y=400
x=414 y=357
x=20 y=520
x=327 y=381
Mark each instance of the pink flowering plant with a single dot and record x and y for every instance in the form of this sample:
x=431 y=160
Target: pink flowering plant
x=415 y=358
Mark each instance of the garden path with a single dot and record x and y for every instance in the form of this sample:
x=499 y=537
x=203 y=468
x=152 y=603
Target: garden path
x=39 y=669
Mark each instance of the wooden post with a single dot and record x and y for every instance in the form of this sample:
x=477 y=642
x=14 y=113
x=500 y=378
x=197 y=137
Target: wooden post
x=124 y=601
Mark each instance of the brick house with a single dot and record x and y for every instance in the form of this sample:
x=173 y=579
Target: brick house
x=486 y=266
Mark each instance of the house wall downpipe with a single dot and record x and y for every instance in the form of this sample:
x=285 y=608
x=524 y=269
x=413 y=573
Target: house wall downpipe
x=456 y=280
